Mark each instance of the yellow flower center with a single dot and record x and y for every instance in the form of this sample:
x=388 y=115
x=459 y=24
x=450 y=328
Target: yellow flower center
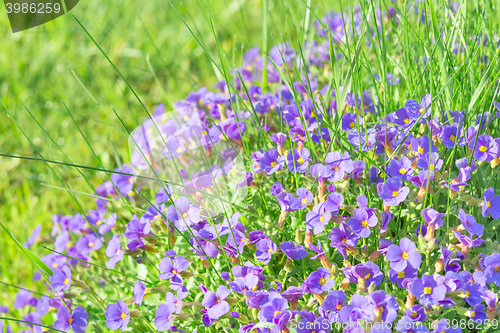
x=66 y=281
x=352 y=124
x=488 y=204
x=54 y=265
x=304 y=201
x=402 y=171
x=131 y=179
x=178 y=150
x=157 y=216
x=404 y=255
x=270 y=251
x=277 y=312
x=421 y=110
x=483 y=149
x=472 y=314
x=427 y=290
x=322 y=281
x=497 y=269
x=420 y=150
x=185 y=215
x=91 y=244
x=395 y=193
x=338 y=307
x=406 y=121
x=364 y=223
x=70 y=320
x=335 y=168
x=343 y=240
x=98 y=222
x=401 y=275
x=321 y=218
x=368 y=276
x=273 y=164
x=174 y=271
x=452 y=138
x=300 y=160
x=467 y=294
x=414 y=314
x=118 y=251
x=431 y=166
x=123 y=315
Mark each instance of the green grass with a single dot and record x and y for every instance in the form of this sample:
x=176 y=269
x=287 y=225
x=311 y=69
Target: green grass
x=41 y=70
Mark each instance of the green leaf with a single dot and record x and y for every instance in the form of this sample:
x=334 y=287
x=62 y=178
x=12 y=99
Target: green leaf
x=36 y=261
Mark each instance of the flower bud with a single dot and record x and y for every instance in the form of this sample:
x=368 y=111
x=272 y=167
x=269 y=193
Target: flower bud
x=135 y=314
x=71 y=295
x=162 y=289
x=298 y=236
x=232 y=300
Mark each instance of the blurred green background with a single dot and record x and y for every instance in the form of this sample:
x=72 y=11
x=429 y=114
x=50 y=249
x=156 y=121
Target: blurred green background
x=40 y=70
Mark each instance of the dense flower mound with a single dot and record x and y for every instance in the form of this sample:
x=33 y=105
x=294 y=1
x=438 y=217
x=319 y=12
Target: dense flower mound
x=296 y=206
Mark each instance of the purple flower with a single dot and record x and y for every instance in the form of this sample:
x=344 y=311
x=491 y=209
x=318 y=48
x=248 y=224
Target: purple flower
x=272 y=161
x=343 y=239
x=318 y=218
x=361 y=222
x=491 y=204
x=349 y=121
x=139 y=292
x=469 y=223
x=265 y=250
x=334 y=302
x=245 y=285
x=61 y=279
x=400 y=169
x=137 y=229
x=404 y=255
x=319 y=325
x=476 y=314
x=171 y=270
x=35 y=234
x=337 y=166
x=359 y=308
x=87 y=243
x=110 y=223
x=430 y=161
x=114 y=251
x=443 y=326
x=275 y=308
x=117 y=316
x=485 y=148
x=393 y=192
x=453 y=136
x=429 y=291
x=182 y=213
x=423 y=145
x=400 y=277
x=298 y=161
x=492 y=272
x=406 y=325
x=77 y=320
x=471 y=293
x=215 y=302
x=164 y=317
x=124 y=183
x=22 y=299
x=416 y=313
x=319 y=281
x=276 y=189
x=305 y=197
x=293 y=251
x=433 y=217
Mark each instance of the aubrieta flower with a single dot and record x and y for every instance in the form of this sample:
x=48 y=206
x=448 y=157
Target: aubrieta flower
x=293 y=251
x=485 y=148
x=117 y=316
x=305 y=197
x=430 y=161
x=123 y=179
x=492 y=272
x=318 y=218
x=351 y=121
x=298 y=161
x=271 y=161
x=265 y=250
x=428 y=290
x=61 y=279
x=491 y=204
x=361 y=222
x=139 y=292
x=77 y=320
x=469 y=223
x=319 y=281
x=453 y=136
x=182 y=213
x=400 y=169
x=164 y=317
x=416 y=313
x=114 y=251
x=404 y=255
x=35 y=234
x=392 y=191
x=171 y=269
x=215 y=302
